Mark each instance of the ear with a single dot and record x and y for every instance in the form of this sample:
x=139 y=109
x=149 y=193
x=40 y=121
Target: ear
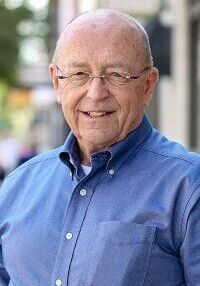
x=150 y=84
x=55 y=81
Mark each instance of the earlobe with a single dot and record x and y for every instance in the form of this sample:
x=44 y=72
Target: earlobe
x=58 y=96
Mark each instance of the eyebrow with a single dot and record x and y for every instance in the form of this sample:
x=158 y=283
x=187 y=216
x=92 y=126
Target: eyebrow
x=118 y=64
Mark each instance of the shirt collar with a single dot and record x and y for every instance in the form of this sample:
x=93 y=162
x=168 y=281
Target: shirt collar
x=69 y=155
x=114 y=156
x=130 y=145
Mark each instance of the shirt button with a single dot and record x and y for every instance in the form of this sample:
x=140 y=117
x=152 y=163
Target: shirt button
x=69 y=235
x=111 y=172
x=58 y=282
x=83 y=192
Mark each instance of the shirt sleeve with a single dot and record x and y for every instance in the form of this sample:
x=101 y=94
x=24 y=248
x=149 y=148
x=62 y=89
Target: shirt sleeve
x=190 y=249
x=4 y=277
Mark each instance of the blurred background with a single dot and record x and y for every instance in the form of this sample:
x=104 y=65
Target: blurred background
x=30 y=119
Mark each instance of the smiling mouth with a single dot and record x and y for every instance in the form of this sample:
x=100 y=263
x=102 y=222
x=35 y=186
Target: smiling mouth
x=96 y=114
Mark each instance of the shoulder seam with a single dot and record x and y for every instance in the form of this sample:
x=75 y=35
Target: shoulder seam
x=26 y=165
x=169 y=156
x=192 y=200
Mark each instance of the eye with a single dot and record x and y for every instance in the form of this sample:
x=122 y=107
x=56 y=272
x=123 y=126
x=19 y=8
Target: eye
x=78 y=78
x=117 y=78
x=79 y=75
x=117 y=75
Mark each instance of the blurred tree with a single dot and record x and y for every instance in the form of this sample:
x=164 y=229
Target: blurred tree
x=10 y=40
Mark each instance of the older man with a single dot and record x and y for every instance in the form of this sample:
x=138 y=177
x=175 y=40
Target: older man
x=118 y=204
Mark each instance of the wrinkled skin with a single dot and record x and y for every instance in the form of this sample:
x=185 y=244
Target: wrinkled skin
x=101 y=115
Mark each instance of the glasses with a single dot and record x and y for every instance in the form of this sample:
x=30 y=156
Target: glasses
x=114 y=78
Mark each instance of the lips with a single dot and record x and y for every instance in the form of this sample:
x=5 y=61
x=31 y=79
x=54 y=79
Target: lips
x=97 y=114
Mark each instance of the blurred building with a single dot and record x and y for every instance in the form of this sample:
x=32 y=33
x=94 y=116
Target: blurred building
x=175 y=108
x=182 y=121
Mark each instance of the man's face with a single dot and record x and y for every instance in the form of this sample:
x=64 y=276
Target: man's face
x=100 y=114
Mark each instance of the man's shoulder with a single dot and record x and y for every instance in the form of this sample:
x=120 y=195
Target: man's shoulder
x=40 y=161
x=162 y=147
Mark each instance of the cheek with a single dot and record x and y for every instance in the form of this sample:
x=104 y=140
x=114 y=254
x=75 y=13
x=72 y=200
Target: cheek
x=68 y=104
x=131 y=110
x=128 y=107
x=137 y=100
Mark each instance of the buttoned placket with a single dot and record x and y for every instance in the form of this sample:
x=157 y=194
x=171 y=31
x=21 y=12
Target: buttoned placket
x=72 y=225
x=75 y=215
x=74 y=218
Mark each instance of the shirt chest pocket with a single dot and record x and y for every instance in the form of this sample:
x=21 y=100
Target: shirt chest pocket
x=119 y=254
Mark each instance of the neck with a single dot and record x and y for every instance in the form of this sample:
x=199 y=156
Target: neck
x=86 y=152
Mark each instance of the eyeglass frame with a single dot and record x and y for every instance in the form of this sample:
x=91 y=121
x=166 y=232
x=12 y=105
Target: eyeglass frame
x=103 y=76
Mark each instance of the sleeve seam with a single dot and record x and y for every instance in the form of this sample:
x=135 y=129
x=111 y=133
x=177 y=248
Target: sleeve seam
x=193 y=199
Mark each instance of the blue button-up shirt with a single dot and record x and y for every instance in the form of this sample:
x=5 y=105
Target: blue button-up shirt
x=133 y=220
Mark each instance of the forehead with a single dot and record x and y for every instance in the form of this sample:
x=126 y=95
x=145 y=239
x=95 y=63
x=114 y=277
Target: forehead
x=99 y=39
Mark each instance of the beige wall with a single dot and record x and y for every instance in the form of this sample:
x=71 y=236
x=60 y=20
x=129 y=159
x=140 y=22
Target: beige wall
x=176 y=104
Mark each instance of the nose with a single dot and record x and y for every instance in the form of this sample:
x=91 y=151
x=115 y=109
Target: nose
x=97 y=89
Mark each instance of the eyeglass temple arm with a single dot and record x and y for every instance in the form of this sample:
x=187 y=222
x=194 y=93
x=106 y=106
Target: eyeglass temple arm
x=60 y=76
x=142 y=71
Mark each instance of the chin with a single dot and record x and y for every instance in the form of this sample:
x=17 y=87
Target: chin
x=98 y=140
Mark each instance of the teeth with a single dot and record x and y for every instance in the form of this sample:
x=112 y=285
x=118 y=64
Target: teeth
x=96 y=114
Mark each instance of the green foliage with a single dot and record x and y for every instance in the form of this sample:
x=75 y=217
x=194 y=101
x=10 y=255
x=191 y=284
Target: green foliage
x=5 y=122
x=10 y=40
